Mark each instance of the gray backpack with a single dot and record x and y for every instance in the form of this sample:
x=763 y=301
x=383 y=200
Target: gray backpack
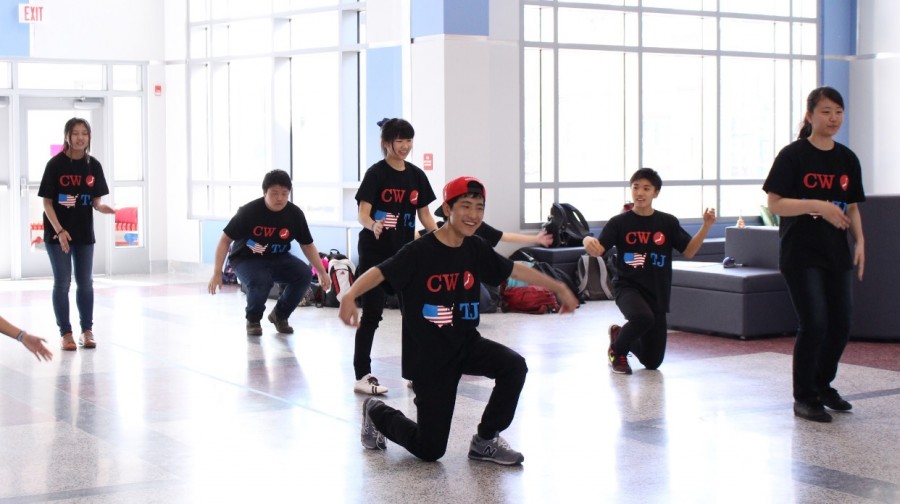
x=594 y=281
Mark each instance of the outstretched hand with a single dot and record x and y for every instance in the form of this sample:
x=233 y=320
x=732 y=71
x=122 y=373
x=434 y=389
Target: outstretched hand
x=37 y=346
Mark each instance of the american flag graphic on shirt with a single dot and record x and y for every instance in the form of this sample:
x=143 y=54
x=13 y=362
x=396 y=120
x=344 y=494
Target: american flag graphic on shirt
x=635 y=260
x=438 y=315
x=67 y=200
x=390 y=220
x=256 y=248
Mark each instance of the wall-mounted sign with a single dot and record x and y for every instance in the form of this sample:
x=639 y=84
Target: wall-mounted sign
x=31 y=13
x=428 y=161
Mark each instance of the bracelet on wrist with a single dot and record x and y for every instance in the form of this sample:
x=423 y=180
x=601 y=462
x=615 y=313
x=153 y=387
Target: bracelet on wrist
x=20 y=336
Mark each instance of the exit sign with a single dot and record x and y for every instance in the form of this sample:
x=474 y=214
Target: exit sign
x=30 y=13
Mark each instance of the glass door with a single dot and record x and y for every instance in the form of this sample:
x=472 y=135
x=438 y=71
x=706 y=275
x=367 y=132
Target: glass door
x=42 y=121
x=6 y=200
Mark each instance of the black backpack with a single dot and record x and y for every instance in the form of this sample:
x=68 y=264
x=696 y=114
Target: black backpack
x=567 y=225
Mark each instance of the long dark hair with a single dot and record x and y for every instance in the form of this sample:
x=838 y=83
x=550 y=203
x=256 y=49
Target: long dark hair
x=392 y=129
x=815 y=96
x=67 y=132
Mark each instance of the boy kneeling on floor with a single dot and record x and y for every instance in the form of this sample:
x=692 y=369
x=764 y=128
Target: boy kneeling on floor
x=437 y=278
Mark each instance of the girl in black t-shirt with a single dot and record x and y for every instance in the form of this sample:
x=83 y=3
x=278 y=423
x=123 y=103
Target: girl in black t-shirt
x=72 y=187
x=392 y=194
x=814 y=185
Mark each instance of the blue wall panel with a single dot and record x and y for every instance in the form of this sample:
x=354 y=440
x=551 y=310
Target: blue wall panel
x=384 y=67
x=14 y=37
x=426 y=18
x=838 y=38
x=450 y=17
x=466 y=17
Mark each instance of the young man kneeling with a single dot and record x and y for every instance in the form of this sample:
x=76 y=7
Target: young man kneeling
x=438 y=280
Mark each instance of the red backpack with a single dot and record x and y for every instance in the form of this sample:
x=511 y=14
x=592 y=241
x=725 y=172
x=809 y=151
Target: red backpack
x=528 y=299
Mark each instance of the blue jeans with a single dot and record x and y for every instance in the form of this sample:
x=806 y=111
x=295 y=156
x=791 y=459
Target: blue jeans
x=823 y=302
x=82 y=258
x=258 y=275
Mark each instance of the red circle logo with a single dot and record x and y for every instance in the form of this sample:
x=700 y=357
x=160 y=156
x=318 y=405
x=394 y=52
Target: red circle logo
x=89 y=180
x=659 y=238
x=284 y=234
x=845 y=182
x=468 y=280
x=414 y=197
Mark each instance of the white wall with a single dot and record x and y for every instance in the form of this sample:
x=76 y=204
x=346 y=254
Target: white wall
x=181 y=237
x=99 y=30
x=873 y=103
x=466 y=109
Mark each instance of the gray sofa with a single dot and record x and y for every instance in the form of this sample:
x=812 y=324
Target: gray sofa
x=875 y=298
x=747 y=301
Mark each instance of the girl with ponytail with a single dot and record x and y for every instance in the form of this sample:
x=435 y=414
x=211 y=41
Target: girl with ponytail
x=815 y=185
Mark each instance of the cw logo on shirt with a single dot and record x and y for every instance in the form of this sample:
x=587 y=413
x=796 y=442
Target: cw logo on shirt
x=393 y=195
x=268 y=232
x=824 y=181
x=449 y=281
x=643 y=237
x=75 y=180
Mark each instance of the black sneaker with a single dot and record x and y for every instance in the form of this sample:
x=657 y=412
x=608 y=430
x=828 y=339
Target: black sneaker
x=813 y=412
x=370 y=437
x=281 y=325
x=833 y=400
x=253 y=328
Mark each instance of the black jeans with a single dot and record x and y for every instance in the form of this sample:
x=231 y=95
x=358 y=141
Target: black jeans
x=372 y=311
x=436 y=399
x=823 y=302
x=645 y=333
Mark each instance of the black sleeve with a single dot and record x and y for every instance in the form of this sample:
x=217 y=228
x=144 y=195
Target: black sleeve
x=368 y=188
x=781 y=176
x=489 y=234
x=495 y=268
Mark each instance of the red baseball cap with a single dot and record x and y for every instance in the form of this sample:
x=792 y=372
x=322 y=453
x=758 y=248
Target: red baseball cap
x=463 y=185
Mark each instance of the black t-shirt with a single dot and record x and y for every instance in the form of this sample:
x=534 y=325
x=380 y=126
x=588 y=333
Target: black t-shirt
x=72 y=184
x=644 y=252
x=440 y=288
x=802 y=171
x=487 y=233
x=260 y=233
x=395 y=197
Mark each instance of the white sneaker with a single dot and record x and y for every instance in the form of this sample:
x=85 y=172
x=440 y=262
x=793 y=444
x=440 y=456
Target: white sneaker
x=369 y=385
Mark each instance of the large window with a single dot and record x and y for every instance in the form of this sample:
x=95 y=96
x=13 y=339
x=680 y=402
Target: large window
x=704 y=91
x=273 y=85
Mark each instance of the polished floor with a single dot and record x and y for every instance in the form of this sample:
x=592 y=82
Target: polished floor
x=177 y=404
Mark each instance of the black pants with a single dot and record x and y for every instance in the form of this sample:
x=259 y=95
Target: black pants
x=372 y=311
x=645 y=333
x=436 y=400
x=823 y=302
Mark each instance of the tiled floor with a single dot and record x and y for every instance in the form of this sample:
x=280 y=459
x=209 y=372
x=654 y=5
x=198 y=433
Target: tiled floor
x=177 y=405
